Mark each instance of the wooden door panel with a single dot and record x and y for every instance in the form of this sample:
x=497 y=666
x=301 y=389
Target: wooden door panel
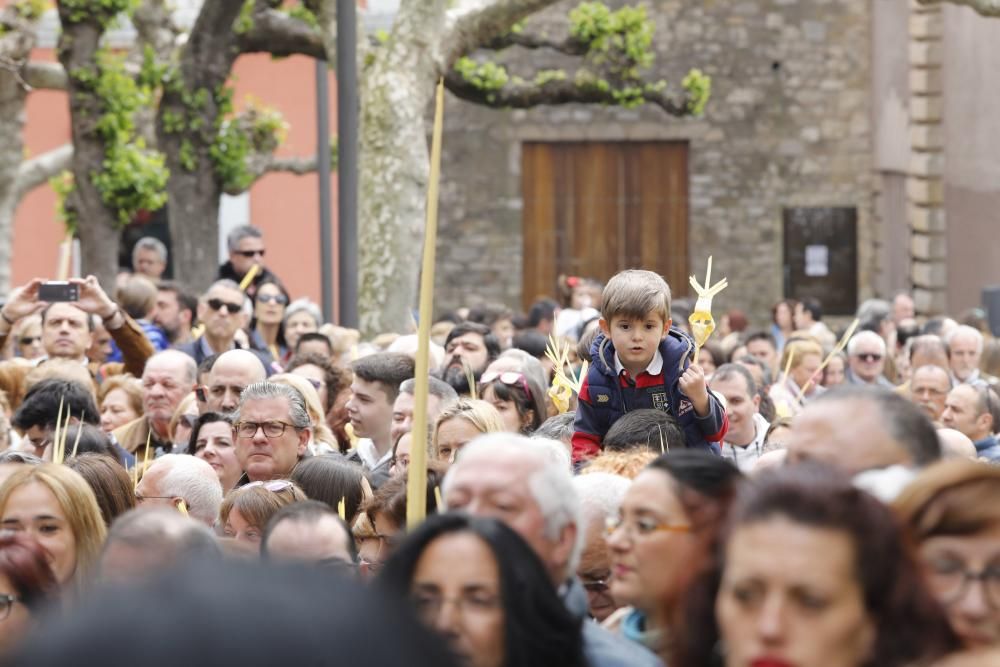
x=595 y=208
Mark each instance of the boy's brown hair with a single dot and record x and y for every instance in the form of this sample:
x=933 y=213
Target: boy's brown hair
x=634 y=294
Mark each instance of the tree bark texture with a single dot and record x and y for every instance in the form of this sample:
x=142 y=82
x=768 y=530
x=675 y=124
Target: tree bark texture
x=984 y=7
x=15 y=47
x=396 y=90
x=98 y=229
x=193 y=194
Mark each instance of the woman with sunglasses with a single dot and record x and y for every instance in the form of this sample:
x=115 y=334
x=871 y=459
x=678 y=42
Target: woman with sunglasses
x=212 y=442
x=27 y=336
x=267 y=330
x=670 y=515
x=27 y=583
x=246 y=510
x=485 y=592
x=181 y=423
x=120 y=401
x=519 y=400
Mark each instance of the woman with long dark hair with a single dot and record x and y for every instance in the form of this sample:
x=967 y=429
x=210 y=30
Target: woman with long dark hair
x=670 y=514
x=477 y=583
x=813 y=572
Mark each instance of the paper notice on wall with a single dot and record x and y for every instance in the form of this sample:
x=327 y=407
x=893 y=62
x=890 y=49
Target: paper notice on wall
x=817 y=261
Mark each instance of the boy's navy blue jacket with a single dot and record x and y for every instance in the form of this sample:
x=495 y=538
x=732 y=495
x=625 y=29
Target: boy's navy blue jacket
x=605 y=396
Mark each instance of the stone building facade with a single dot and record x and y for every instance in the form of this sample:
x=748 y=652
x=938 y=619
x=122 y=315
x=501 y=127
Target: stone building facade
x=789 y=125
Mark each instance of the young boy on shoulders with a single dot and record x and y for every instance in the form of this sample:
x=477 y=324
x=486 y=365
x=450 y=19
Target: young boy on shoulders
x=640 y=361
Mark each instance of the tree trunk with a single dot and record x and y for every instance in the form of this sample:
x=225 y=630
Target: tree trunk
x=193 y=194
x=15 y=47
x=78 y=46
x=394 y=167
x=12 y=97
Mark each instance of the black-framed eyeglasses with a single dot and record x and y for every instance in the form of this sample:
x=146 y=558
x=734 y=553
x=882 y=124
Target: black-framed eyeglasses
x=273 y=429
x=869 y=356
x=219 y=304
x=249 y=253
x=6 y=602
x=28 y=340
x=279 y=299
x=951 y=579
x=596 y=586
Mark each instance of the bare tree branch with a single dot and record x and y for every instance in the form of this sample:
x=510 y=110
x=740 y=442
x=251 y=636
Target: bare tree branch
x=261 y=165
x=581 y=88
x=42 y=75
x=476 y=22
x=277 y=33
x=984 y=7
x=40 y=169
x=567 y=45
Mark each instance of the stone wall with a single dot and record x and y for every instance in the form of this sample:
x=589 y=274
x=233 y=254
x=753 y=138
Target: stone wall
x=788 y=125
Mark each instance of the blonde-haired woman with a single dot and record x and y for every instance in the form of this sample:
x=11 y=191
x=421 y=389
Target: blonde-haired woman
x=802 y=357
x=323 y=440
x=56 y=507
x=462 y=421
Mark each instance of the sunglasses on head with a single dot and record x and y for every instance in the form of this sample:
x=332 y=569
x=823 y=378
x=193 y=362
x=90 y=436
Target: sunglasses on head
x=869 y=356
x=272 y=298
x=219 y=304
x=274 y=485
x=249 y=253
x=508 y=378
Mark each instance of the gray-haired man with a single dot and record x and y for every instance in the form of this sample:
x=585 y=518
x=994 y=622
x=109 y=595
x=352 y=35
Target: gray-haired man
x=272 y=429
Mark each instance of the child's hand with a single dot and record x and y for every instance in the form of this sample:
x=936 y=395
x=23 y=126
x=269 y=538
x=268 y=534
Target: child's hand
x=692 y=384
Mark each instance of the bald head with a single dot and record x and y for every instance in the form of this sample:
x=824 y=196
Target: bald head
x=956 y=445
x=863 y=428
x=233 y=372
x=929 y=386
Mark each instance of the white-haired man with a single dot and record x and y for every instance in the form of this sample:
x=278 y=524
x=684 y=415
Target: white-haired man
x=527 y=484
x=866 y=360
x=182 y=481
x=601 y=496
x=965 y=344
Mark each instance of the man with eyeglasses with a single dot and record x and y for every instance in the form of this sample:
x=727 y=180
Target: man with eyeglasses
x=246 y=249
x=220 y=310
x=601 y=497
x=184 y=483
x=527 y=484
x=928 y=387
x=866 y=360
x=972 y=410
x=272 y=430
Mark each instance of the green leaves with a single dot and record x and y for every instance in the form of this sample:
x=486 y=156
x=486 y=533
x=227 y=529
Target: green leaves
x=699 y=88
x=132 y=177
x=102 y=12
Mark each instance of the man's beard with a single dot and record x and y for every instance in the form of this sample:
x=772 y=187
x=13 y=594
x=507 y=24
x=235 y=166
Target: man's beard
x=455 y=376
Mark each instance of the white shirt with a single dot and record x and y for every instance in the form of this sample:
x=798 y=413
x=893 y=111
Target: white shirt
x=655 y=366
x=368 y=453
x=745 y=457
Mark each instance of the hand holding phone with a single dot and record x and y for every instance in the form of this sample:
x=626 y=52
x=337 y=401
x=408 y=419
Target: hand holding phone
x=58 y=290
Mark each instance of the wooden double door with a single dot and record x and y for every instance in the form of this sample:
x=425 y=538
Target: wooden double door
x=594 y=208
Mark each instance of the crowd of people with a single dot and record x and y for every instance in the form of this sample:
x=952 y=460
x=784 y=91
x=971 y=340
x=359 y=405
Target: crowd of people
x=232 y=471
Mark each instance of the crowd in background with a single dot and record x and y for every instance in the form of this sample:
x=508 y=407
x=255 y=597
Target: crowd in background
x=600 y=490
